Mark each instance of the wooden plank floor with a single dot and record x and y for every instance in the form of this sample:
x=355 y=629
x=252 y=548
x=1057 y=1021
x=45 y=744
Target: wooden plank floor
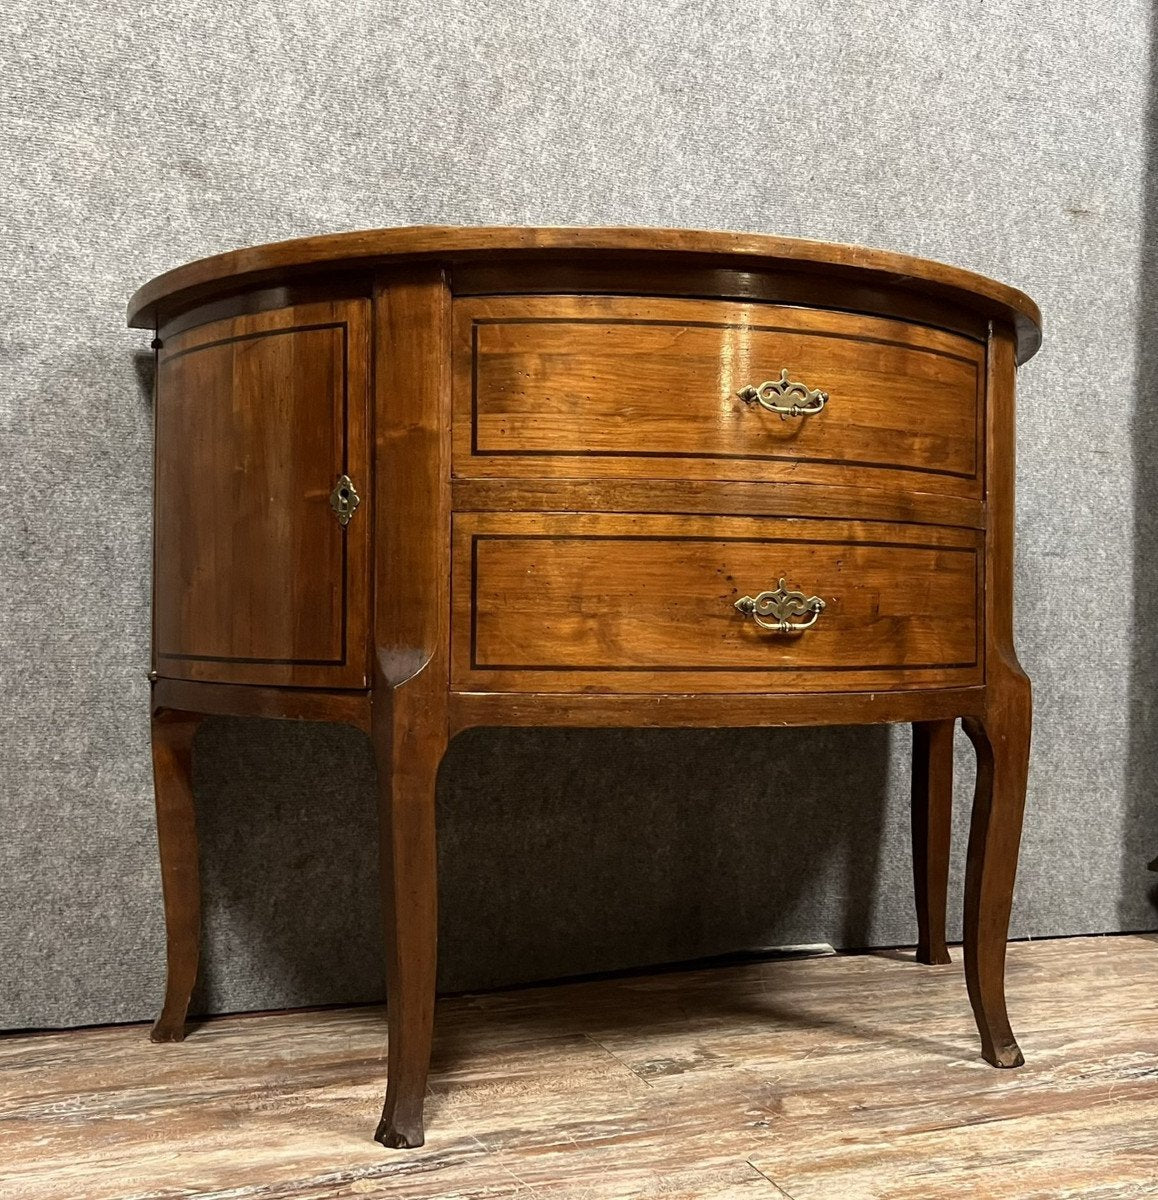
x=836 y=1078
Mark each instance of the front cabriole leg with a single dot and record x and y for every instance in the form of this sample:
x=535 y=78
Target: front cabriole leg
x=1001 y=738
x=409 y=740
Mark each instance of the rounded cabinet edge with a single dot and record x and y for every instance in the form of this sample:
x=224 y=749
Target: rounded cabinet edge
x=331 y=259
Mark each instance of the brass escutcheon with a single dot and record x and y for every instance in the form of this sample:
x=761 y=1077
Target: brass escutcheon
x=344 y=499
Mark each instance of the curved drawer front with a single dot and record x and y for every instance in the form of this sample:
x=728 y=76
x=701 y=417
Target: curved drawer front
x=601 y=603
x=573 y=386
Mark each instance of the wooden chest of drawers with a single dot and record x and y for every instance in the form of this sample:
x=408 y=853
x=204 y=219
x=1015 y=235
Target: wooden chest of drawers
x=423 y=479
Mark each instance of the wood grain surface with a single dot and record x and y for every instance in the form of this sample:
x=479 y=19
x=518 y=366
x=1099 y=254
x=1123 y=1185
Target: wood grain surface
x=172 y=737
x=647 y=603
x=409 y=725
x=1000 y=734
x=663 y=710
x=732 y=497
x=234 y=700
x=614 y=497
x=581 y=386
x=834 y=1078
x=582 y=273
x=638 y=248
x=931 y=812
x=255 y=579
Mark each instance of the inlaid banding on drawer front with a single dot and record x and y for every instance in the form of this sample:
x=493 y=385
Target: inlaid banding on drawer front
x=648 y=603
x=582 y=386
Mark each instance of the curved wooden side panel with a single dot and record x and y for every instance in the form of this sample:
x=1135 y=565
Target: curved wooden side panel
x=255 y=579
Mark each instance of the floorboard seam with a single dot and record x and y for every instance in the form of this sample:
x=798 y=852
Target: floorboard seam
x=625 y=1065
x=772 y=1182
x=496 y=1156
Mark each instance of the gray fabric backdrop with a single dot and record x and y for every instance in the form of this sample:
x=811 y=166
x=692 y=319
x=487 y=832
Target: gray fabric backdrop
x=1007 y=137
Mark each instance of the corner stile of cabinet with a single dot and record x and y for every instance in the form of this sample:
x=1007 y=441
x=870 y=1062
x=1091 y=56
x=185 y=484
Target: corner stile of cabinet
x=411 y=476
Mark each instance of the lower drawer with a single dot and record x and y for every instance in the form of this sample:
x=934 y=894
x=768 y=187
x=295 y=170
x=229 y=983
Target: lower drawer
x=642 y=603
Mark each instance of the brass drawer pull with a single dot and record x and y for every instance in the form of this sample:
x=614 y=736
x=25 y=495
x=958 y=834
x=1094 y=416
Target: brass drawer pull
x=344 y=499
x=772 y=610
x=803 y=401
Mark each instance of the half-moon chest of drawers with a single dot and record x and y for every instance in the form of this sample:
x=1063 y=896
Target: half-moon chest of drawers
x=423 y=479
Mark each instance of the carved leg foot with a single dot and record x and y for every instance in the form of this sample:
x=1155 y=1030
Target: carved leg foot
x=409 y=742
x=932 y=819
x=1001 y=739
x=180 y=880
x=397 y=1133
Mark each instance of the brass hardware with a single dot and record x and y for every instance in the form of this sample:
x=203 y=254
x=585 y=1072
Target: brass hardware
x=344 y=499
x=152 y=676
x=771 y=610
x=803 y=400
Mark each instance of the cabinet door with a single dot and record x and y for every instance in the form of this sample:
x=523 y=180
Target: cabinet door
x=256 y=580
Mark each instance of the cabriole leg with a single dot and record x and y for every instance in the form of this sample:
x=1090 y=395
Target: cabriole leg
x=932 y=819
x=408 y=747
x=180 y=879
x=1001 y=739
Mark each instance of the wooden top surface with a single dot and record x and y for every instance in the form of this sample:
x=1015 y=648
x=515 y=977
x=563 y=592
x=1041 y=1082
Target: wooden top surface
x=278 y=261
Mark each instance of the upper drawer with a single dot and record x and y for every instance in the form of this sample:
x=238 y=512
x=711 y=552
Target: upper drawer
x=581 y=386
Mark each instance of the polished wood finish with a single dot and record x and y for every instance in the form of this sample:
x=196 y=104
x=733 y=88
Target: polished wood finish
x=230 y=700
x=255 y=581
x=932 y=821
x=562 y=498
x=410 y=730
x=747 y=280
x=639 y=254
x=589 y=385
x=805 y=1078
x=647 y=603
x=736 y=498
x=663 y=710
x=1001 y=737
x=173 y=734
x=408 y=744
